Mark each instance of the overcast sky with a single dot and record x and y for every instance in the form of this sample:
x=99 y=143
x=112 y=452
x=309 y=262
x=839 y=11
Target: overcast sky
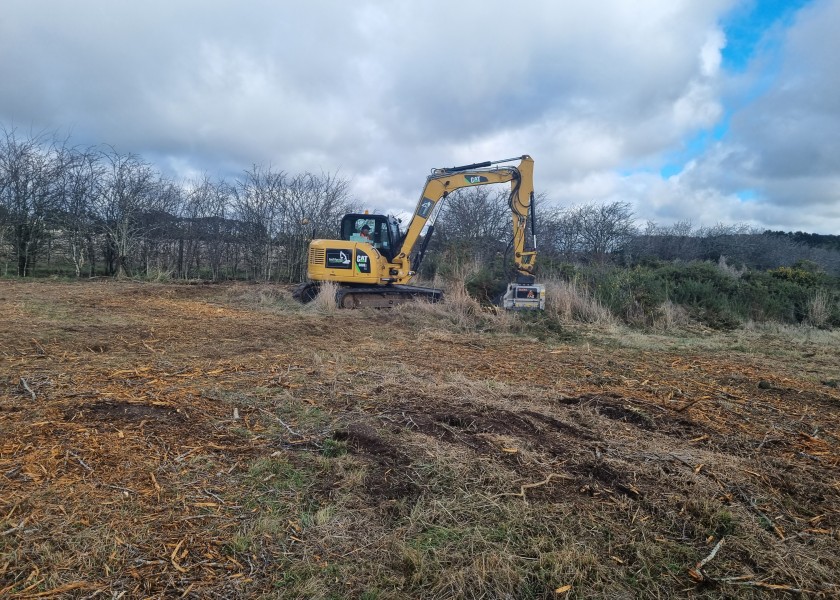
x=703 y=110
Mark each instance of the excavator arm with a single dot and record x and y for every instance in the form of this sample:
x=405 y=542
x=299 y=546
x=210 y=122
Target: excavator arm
x=442 y=182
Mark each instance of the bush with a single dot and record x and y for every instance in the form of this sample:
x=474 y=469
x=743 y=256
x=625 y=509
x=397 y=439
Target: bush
x=647 y=294
x=486 y=285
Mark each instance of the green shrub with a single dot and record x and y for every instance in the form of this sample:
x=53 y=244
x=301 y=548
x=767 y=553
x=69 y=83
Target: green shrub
x=486 y=285
x=717 y=297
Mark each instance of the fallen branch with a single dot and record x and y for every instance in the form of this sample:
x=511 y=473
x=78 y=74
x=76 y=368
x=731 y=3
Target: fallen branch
x=691 y=403
x=173 y=558
x=40 y=348
x=62 y=589
x=767 y=520
x=27 y=388
x=279 y=420
x=206 y=516
x=762 y=585
x=121 y=489
x=711 y=555
x=81 y=462
x=529 y=486
x=766 y=437
x=13 y=529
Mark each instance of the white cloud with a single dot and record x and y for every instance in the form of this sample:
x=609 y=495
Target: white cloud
x=710 y=58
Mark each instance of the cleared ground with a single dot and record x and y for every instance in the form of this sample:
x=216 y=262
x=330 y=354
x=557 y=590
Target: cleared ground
x=221 y=442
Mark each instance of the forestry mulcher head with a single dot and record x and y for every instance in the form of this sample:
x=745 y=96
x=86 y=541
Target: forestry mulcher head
x=521 y=296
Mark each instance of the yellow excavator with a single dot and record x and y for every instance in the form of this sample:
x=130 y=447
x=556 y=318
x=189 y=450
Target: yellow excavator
x=372 y=262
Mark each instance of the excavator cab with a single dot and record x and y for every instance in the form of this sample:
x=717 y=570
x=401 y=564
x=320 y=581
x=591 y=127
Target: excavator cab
x=381 y=231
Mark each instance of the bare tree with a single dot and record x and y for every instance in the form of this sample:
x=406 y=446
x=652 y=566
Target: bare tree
x=474 y=224
x=78 y=178
x=27 y=195
x=219 y=230
x=312 y=207
x=159 y=228
x=194 y=209
x=590 y=231
x=674 y=242
x=258 y=203
x=604 y=228
x=125 y=194
x=206 y=234
x=558 y=234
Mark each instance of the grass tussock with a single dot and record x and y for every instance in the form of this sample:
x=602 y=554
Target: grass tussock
x=670 y=316
x=820 y=307
x=568 y=301
x=325 y=302
x=459 y=311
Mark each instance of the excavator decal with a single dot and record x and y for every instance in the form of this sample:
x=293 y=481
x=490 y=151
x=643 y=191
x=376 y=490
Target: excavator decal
x=362 y=262
x=425 y=208
x=338 y=259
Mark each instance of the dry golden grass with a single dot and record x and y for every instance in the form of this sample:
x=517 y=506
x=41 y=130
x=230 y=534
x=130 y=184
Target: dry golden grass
x=567 y=301
x=819 y=308
x=325 y=302
x=219 y=442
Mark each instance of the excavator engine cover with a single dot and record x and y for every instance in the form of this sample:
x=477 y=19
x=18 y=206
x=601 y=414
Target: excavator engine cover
x=524 y=297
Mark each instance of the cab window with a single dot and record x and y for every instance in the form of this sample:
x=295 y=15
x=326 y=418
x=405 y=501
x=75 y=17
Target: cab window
x=380 y=232
x=359 y=230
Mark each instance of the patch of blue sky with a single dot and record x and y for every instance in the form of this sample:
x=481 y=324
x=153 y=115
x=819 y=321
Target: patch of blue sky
x=747 y=195
x=746 y=25
x=693 y=147
x=671 y=169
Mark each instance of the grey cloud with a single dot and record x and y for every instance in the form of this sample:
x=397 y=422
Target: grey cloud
x=792 y=129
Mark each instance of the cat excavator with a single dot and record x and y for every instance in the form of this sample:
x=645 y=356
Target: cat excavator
x=373 y=263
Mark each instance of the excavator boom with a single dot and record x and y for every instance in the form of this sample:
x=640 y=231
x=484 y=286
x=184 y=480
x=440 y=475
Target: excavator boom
x=444 y=181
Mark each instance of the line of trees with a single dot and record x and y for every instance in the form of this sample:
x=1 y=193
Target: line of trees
x=474 y=225
x=98 y=211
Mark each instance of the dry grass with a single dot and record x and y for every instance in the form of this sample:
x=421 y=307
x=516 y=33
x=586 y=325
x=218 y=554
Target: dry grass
x=458 y=311
x=260 y=295
x=671 y=316
x=325 y=302
x=819 y=308
x=567 y=301
x=211 y=442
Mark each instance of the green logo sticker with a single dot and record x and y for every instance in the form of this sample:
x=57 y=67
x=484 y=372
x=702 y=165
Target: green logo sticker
x=475 y=179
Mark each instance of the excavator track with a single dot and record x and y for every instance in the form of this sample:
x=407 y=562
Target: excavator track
x=369 y=296
x=306 y=292
x=384 y=296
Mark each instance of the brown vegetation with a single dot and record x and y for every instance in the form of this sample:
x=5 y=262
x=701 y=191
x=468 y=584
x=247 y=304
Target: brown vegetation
x=219 y=442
